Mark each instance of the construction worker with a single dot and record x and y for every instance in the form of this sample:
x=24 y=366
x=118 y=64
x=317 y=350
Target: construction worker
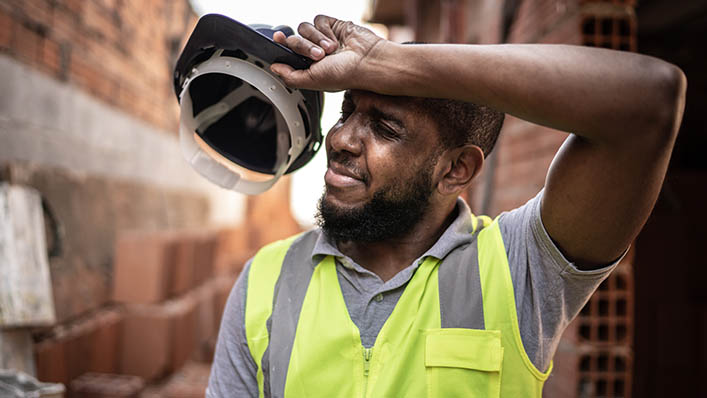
x=401 y=291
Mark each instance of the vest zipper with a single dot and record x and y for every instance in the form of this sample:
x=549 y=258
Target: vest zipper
x=367 y=352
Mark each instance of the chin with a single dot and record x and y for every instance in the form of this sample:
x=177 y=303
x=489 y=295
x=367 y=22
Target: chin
x=341 y=199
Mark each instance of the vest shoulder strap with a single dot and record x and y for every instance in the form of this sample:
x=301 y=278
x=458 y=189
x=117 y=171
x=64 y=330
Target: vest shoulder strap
x=263 y=274
x=498 y=294
x=288 y=297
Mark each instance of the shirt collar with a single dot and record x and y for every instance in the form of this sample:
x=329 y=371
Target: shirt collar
x=459 y=232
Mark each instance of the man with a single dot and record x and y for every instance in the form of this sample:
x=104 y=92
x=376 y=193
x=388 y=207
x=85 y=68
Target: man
x=402 y=292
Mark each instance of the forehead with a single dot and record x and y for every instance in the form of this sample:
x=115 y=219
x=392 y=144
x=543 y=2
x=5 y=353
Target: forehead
x=405 y=110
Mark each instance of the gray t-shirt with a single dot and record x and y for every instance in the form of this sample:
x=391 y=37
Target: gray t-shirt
x=549 y=292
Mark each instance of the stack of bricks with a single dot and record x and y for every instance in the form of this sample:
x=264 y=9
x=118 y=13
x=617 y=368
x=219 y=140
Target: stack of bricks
x=169 y=291
x=88 y=344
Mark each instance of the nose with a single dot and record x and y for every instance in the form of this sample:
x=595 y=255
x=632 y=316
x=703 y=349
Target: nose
x=343 y=137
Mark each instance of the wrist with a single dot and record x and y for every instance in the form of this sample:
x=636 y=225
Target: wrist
x=381 y=68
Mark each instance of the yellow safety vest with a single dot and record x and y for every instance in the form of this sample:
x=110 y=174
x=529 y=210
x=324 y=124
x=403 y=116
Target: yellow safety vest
x=305 y=345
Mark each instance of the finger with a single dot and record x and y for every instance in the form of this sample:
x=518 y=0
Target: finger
x=302 y=46
x=293 y=77
x=309 y=32
x=323 y=23
x=280 y=38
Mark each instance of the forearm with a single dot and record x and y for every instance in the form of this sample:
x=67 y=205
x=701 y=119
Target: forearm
x=599 y=94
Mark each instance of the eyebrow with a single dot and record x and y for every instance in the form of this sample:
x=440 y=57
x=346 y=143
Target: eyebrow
x=375 y=112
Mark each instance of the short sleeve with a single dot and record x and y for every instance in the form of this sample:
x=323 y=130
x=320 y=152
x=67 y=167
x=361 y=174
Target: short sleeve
x=233 y=372
x=549 y=290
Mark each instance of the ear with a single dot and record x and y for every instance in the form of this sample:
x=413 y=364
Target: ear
x=460 y=166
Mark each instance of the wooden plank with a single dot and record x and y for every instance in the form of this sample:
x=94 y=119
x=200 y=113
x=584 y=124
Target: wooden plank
x=25 y=284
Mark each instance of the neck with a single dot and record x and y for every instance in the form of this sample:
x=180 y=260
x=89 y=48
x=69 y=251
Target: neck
x=387 y=258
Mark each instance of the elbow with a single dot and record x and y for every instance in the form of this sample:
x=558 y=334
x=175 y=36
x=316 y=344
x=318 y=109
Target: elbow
x=671 y=85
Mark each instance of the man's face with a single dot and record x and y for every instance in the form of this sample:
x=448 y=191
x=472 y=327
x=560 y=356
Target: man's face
x=381 y=157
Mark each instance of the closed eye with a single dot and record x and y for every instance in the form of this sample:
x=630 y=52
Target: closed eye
x=385 y=131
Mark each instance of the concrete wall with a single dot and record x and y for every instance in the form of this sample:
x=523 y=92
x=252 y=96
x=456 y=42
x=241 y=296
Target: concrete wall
x=88 y=117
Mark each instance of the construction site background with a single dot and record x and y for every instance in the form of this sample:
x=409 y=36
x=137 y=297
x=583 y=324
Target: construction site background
x=142 y=253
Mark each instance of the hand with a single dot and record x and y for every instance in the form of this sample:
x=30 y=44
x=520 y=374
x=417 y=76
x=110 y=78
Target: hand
x=341 y=51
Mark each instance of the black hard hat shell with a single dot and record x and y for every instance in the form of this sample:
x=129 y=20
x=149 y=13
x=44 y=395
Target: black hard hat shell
x=217 y=32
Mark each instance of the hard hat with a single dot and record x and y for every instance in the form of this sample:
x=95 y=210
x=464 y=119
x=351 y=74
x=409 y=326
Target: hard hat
x=237 y=117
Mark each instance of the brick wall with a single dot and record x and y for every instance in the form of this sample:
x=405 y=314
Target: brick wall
x=120 y=51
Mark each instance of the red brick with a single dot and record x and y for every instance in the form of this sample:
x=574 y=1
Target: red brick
x=206 y=320
x=60 y=358
x=205 y=250
x=38 y=11
x=65 y=26
x=141 y=267
x=98 y=21
x=223 y=286
x=232 y=251
x=51 y=56
x=183 y=273
x=271 y=205
x=75 y=7
x=105 y=385
x=49 y=357
x=184 y=330
x=146 y=341
x=6 y=27
x=106 y=342
x=27 y=44
x=158 y=338
x=89 y=344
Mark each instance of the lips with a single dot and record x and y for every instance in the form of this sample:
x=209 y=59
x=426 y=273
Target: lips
x=340 y=176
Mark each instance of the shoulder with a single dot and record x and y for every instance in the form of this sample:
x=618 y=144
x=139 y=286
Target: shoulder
x=309 y=237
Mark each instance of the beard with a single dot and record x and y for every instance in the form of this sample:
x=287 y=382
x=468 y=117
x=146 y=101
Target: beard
x=392 y=212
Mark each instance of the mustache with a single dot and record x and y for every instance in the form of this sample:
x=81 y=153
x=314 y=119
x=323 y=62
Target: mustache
x=347 y=161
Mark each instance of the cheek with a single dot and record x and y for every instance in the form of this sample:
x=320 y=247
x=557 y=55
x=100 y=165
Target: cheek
x=386 y=165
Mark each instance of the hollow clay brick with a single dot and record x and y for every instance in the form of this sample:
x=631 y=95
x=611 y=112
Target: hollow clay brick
x=205 y=250
x=184 y=330
x=89 y=344
x=141 y=268
x=223 y=284
x=158 y=338
x=182 y=273
x=206 y=324
x=145 y=344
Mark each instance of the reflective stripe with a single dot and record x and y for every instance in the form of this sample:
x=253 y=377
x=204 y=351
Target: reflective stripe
x=460 y=299
x=291 y=287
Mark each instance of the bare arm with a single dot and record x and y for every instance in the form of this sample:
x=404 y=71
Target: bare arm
x=623 y=109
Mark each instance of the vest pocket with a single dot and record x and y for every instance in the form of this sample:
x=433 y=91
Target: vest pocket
x=463 y=362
